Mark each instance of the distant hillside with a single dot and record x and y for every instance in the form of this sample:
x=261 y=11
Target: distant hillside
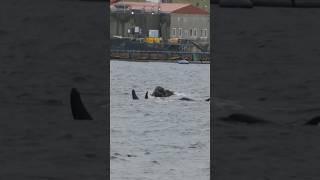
x=204 y=4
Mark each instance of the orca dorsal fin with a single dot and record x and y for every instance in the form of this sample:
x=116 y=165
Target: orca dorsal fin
x=79 y=111
x=134 y=96
x=146 y=96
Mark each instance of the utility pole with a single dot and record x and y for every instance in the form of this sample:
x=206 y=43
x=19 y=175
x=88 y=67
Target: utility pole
x=160 y=32
x=124 y=8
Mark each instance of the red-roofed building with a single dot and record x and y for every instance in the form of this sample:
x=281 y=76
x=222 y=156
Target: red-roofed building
x=173 y=20
x=182 y=8
x=190 y=10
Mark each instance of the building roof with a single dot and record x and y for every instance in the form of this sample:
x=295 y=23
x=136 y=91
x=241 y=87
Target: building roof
x=190 y=10
x=113 y=1
x=181 y=8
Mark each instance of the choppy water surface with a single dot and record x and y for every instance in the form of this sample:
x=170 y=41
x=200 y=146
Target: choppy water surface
x=158 y=138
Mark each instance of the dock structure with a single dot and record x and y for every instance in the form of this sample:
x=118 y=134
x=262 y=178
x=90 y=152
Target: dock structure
x=135 y=55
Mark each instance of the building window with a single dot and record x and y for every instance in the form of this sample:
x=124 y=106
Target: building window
x=180 y=32
x=174 y=32
x=195 y=32
x=180 y=19
x=185 y=33
x=205 y=33
x=190 y=33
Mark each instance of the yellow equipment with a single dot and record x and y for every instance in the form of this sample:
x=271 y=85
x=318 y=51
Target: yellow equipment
x=173 y=40
x=152 y=40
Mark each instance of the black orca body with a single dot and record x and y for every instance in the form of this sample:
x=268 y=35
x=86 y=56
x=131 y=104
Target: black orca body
x=314 y=121
x=79 y=112
x=146 y=96
x=134 y=96
x=244 y=118
x=186 y=99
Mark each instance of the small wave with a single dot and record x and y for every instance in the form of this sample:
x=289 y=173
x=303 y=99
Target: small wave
x=180 y=94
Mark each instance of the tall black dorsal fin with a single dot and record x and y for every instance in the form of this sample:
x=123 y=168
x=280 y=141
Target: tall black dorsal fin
x=146 y=96
x=79 y=112
x=134 y=96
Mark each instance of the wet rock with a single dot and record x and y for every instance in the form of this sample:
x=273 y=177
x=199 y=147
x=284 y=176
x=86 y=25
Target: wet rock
x=161 y=92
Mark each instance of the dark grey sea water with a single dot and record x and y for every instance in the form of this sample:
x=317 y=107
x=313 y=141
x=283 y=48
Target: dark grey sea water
x=156 y=138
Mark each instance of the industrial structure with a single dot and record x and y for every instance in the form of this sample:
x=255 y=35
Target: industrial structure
x=165 y=21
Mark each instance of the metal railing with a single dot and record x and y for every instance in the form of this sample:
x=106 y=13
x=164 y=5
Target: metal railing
x=164 y=52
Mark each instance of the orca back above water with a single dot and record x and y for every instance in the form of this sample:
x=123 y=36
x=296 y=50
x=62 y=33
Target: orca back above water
x=186 y=99
x=244 y=118
x=313 y=122
x=134 y=96
x=79 y=111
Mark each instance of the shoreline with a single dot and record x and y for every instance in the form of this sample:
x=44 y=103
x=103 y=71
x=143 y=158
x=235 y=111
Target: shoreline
x=165 y=61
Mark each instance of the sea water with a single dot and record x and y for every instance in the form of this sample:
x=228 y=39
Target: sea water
x=159 y=138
